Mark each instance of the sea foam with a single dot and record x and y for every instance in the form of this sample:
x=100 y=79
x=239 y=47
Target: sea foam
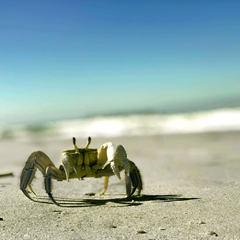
x=135 y=125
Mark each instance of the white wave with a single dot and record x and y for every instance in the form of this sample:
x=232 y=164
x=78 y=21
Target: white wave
x=141 y=125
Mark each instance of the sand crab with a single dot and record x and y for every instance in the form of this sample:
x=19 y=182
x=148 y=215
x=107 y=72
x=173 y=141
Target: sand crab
x=82 y=163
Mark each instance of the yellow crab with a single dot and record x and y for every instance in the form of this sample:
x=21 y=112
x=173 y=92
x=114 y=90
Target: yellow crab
x=81 y=163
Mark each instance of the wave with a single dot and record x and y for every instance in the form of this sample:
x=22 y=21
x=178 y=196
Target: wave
x=130 y=125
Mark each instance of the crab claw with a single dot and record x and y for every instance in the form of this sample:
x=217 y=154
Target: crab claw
x=68 y=164
x=65 y=164
x=118 y=158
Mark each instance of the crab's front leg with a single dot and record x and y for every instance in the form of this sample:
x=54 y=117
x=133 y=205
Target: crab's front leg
x=117 y=161
x=39 y=160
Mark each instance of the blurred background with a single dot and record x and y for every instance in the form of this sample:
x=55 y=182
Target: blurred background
x=113 y=68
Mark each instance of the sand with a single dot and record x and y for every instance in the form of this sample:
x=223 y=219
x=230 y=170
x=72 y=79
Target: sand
x=191 y=191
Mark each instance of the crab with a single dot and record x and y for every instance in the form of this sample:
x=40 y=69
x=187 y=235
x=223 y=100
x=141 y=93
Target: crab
x=82 y=163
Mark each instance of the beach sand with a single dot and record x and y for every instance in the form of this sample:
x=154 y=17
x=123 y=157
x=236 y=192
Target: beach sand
x=191 y=191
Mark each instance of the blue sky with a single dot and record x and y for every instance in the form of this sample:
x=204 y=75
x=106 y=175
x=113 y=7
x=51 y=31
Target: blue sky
x=64 y=59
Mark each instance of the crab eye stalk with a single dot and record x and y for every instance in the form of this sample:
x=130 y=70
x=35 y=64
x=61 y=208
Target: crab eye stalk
x=75 y=146
x=88 y=143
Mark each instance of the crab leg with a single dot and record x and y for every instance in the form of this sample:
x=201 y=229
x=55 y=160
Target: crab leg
x=134 y=180
x=48 y=183
x=105 y=185
x=38 y=160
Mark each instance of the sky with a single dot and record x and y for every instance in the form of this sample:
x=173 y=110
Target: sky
x=67 y=59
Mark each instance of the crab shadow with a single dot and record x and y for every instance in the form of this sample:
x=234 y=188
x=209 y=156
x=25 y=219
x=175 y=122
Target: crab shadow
x=118 y=202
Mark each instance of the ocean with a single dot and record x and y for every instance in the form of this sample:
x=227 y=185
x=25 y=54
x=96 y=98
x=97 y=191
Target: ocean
x=225 y=119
